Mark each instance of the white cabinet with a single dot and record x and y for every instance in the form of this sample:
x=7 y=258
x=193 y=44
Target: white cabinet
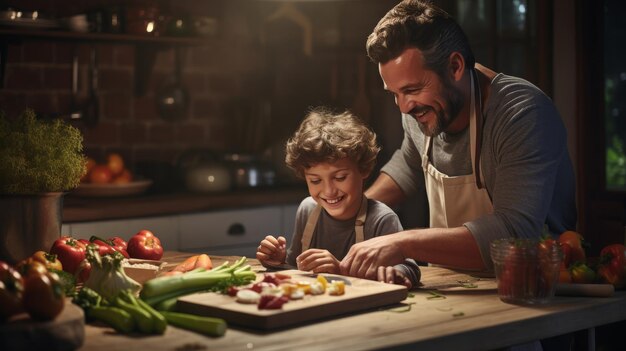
x=224 y=232
x=236 y=232
x=289 y=221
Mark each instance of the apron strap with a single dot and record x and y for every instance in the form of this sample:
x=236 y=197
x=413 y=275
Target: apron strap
x=476 y=123
x=311 y=223
x=360 y=221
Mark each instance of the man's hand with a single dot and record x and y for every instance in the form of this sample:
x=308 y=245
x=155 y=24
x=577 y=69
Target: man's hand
x=364 y=258
x=318 y=261
x=272 y=251
x=392 y=276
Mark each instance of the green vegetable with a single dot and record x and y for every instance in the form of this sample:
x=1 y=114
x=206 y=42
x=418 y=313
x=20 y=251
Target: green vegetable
x=38 y=156
x=217 y=279
x=205 y=325
x=142 y=318
x=107 y=276
x=68 y=281
x=160 y=323
x=86 y=299
x=117 y=318
x=166 y=305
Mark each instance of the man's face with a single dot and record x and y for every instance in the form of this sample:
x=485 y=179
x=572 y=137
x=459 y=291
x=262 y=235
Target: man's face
x=337 y=186
x=435 y=102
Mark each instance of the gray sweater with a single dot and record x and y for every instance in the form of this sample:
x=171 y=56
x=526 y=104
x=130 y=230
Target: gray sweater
x=338 y=236
x=527 y=170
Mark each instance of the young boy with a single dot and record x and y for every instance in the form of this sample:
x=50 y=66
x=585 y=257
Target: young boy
x=334 y=154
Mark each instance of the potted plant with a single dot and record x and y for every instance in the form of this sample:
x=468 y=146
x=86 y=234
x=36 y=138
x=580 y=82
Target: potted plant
x=39 y=161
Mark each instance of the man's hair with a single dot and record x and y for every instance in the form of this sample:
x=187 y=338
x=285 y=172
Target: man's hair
x=326 y=137
x=422 y=25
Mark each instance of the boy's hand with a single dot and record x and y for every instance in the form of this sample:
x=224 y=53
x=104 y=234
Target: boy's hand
x=393 y=276
x=272 y=251
x=318 y=261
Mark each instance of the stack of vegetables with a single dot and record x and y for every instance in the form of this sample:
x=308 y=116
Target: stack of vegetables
x=609 y=267
x=110 y=296
x=35 y=285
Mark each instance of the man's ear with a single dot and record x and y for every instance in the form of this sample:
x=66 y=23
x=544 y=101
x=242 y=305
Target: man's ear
x=456 y=66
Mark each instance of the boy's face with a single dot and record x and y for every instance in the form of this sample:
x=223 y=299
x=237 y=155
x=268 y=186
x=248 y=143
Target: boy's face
x=338 y=187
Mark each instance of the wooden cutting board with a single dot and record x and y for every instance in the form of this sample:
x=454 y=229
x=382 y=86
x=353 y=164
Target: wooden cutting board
x=360 y=295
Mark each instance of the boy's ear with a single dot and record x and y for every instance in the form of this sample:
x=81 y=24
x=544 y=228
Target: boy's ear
x=456 y=66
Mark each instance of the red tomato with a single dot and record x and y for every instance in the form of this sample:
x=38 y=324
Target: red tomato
x=575 y=241
x=145 y=245
x=43 y=296
x=70 y=252
x=567 y=255
x=115 y=163
x=11 y=290
x=30 y=267
x=49 y=260
x=100 y=174
x=612 y=267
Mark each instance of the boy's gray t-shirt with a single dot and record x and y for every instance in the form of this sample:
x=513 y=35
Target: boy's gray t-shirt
x=338 y=236
x=525 y=162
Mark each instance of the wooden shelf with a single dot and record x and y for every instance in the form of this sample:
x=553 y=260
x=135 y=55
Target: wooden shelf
x=146 y=47
x=36 y=34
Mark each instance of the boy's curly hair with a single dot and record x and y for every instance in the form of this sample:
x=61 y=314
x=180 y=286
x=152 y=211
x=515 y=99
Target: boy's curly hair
x=326 y=137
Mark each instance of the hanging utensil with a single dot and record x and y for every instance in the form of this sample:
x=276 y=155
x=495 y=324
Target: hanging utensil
x=173 y=99
x=76 y=113
x=92 y=109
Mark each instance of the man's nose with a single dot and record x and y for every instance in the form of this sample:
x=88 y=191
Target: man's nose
x=404 y=104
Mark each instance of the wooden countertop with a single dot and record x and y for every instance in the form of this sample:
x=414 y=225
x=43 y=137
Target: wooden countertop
x=84 y=209
x=465 y=319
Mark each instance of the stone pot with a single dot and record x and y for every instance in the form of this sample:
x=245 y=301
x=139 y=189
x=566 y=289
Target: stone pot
x=29 y=223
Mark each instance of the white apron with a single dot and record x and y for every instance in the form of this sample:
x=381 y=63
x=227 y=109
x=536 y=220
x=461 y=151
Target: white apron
x=454 y=200
x=311 y=223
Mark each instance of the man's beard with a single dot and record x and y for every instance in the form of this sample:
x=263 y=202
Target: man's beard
x=454 y=102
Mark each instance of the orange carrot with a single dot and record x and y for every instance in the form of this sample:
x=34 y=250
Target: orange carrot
x=204 y=261
x=187 y=265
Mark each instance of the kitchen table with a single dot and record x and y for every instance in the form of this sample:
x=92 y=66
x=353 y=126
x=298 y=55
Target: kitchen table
x=446 y=313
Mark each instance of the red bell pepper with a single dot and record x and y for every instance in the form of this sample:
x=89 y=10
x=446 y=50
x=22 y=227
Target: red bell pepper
x=70 y=252
x=145 y=245
x=106 y=247
x=612 y=268
x=120 y=244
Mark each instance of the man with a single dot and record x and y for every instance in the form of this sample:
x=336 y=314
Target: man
x=490 y=149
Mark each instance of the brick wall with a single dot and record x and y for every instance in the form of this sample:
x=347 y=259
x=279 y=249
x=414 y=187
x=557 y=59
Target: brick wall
x=228 y=78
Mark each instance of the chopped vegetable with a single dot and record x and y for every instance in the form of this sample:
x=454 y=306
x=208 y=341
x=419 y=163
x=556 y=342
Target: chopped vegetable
x=435 y=295
x=199 y=279
x=107 y=276
x=248 y=296
x=204 y=325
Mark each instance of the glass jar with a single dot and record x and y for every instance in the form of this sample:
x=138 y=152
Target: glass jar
x=527 y=270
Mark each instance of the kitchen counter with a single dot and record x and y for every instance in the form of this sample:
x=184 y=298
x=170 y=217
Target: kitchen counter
x=84 y=209
x=463 y=319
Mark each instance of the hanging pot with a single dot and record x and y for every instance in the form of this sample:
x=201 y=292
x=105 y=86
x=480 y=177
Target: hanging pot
x=173 y=99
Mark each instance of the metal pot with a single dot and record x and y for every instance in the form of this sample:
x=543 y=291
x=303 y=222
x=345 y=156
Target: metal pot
x=28 y=223
x=249 y=172
x=202 y=171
